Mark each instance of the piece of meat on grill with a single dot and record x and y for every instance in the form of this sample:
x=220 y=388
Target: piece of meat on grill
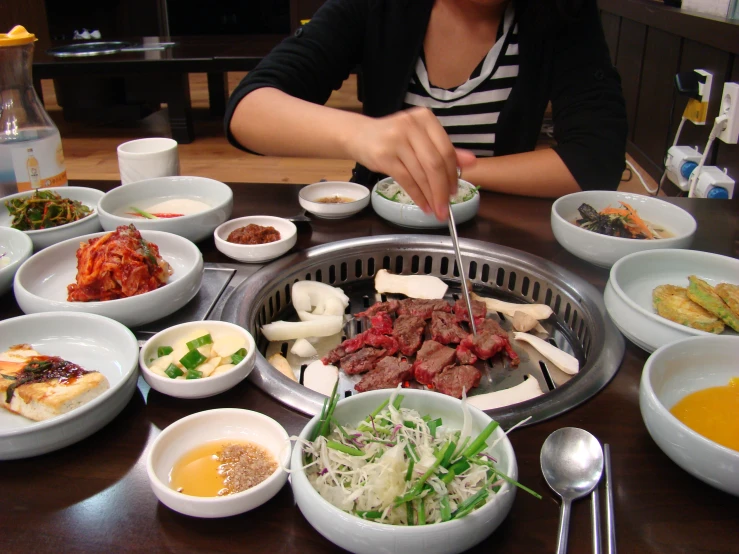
x=388 y=374
x=455 y=379
x=465 y=356
x=479 y=310
x=422 y=308
x=382 y=323
x=408 y=330
x=490 y=340
x=362 y=360
x=430 y=360
x=389 y=307
x=370 y=337
x=445 y=329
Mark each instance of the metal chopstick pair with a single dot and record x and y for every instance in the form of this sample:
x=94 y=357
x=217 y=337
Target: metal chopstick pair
x=595 y=510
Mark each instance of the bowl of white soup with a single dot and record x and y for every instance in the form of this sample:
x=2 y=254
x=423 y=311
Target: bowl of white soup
x=191 y=207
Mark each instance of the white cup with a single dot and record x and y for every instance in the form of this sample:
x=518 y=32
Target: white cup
x=147 y=158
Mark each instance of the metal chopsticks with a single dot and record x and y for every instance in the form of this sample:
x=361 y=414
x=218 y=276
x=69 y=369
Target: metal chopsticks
x=460 y=266
x=610 y=520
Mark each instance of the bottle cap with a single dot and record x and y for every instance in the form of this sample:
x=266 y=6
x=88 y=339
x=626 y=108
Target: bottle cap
x=17 y=37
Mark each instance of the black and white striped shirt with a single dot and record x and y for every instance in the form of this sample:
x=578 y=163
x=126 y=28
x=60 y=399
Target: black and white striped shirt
x=469 y=113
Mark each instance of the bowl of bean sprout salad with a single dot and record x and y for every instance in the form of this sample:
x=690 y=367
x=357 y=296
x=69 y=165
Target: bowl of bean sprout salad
x=392 y=203
x=403 y=470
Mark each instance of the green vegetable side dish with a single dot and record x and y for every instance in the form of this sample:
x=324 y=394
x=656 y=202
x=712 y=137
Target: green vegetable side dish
x=392 y=191
x=400 y=468
x=44 y=209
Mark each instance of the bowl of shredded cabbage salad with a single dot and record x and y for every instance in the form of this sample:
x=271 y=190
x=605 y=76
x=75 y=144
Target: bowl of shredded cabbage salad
x=404 y=470
x=392 y=203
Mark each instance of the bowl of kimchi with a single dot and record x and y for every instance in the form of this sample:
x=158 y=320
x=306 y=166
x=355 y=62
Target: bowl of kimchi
x=191 y=207
x=134 y=278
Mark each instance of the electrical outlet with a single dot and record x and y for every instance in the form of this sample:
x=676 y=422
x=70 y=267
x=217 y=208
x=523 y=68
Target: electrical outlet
x=730 y=107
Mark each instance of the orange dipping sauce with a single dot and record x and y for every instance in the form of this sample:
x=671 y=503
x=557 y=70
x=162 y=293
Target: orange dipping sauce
x=713 y=413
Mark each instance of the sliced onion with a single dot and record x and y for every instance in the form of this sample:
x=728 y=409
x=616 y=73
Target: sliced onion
x=288 y=330
x=312 y=294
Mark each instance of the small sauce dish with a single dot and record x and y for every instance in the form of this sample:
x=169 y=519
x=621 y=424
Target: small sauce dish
x=225 y=424
x=256 y=253
x=334 y=199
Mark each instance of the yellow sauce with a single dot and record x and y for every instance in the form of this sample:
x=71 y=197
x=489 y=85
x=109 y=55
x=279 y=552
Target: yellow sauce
x=713 y=413
x=222 y=467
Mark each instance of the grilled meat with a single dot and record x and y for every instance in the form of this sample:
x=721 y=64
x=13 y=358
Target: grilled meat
x=388 y=374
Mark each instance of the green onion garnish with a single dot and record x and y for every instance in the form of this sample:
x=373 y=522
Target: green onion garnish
x=192 y=359
x=173 y=371
x=238 y=356
x=198 y=342
x=164 y=350
x=194 y=374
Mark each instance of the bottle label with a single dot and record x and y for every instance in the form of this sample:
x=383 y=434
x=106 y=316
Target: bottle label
x=38 y=163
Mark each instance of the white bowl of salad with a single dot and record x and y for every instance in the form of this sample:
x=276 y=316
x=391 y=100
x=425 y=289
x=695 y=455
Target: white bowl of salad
x=353 y=479
x=392 y=203
x=198 y=359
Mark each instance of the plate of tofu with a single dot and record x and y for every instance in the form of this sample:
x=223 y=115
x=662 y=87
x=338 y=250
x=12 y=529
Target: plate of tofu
x=63 y=376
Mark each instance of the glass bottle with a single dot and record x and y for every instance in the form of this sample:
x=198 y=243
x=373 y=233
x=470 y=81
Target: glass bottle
x=31 y=153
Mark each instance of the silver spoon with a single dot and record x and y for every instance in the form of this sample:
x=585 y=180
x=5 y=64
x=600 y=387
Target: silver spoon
x=572 y=464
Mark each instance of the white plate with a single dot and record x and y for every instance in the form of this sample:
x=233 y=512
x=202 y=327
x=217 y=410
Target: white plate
x=17 y=247
x=41 y=282
x=142 y=194
x=309 y=196
x=46 y=237
x=410 y=215
x=628 y=294
x=90 y=341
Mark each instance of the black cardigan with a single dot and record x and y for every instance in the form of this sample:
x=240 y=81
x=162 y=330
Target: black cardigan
x=562 y=59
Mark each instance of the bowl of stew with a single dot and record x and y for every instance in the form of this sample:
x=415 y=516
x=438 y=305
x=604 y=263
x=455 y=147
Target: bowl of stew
x=673 y=226
x=255 y=239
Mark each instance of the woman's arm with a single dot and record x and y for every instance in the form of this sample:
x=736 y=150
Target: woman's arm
x=411 y=145
x=539 y=173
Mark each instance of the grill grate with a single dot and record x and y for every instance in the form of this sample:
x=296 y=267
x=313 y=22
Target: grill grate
x=579 y=326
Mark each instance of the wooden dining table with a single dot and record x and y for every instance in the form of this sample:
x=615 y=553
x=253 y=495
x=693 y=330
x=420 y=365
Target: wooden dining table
x=94 y=496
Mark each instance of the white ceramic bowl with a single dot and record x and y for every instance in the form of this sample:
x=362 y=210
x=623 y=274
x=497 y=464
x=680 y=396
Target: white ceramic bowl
x=192 y=431
x=362 y=536
x=197 y=388
x=255 y=253
x=410 y=215
x=90 y=341
x=628 y=294
x=603 y=250
x=41 y=282
x=309 y=199
x=671 y=373
x=17 y=247
x=46 y=237
x=142 y=194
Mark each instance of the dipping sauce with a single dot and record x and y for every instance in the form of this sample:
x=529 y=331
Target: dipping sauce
x=713 y=412
x=254 y=234
x=336 y=199
x=223 y=467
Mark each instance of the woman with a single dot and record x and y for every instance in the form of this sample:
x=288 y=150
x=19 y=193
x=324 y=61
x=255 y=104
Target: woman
x=444 y=81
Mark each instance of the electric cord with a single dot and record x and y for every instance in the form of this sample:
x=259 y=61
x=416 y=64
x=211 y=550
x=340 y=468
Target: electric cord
x=719 y=125
x=643 y=182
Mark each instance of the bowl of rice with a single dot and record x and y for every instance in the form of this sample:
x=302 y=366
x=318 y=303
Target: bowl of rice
x=357 y=487
x=392 y=203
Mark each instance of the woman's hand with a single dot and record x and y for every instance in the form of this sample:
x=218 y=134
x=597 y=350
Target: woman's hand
x=413 y=148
